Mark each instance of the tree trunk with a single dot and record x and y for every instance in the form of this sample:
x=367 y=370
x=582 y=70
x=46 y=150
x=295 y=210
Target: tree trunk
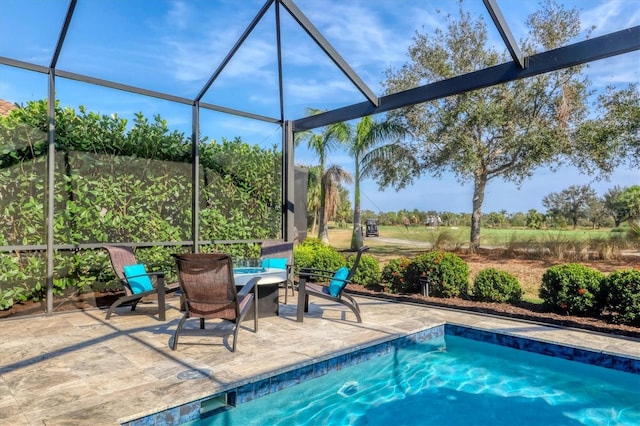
x=315 y=222
x=356 y=236
x=323 y=227
x=479 y=186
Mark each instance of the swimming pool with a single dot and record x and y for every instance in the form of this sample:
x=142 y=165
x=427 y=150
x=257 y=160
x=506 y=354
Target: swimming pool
x=453 y=380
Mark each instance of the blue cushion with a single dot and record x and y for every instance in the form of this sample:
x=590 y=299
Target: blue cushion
x=275 y=262
x=337 y=282
x=141 y=282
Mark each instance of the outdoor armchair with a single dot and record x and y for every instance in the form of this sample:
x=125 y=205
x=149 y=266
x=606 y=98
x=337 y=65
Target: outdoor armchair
x=279 y=254
x=137 y=282
x=209 y=292
x=333 y=290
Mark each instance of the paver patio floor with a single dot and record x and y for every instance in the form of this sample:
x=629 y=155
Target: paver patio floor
x=77 y=368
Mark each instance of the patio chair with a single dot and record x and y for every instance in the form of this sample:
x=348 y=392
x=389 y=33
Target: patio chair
x=137 y=282
x=210 y=292
x=333 y=290
x=279 y=254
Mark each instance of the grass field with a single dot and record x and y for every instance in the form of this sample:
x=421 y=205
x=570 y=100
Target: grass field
x=488 y=236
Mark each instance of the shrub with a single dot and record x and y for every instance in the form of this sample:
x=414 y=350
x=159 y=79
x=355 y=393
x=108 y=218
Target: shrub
x=317 y=256
x=447 y=272
x=368 y=272
x=493 y=285
x=573 y=289
x=393 y=272
x=621 y=291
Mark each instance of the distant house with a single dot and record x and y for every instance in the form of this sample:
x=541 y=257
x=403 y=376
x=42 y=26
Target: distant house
x=5 y=107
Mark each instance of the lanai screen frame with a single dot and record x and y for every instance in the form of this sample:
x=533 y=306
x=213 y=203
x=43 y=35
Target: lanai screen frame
x=608 y=45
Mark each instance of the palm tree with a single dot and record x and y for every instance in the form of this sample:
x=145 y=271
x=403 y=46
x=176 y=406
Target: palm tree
x=313 y=195
x=332 y=182
x=330 y=137
x=372 y=157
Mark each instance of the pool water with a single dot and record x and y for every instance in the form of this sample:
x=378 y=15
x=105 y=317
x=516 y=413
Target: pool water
x=451 y=381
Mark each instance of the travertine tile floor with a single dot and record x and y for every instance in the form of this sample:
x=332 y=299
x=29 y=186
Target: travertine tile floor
x=78 y=368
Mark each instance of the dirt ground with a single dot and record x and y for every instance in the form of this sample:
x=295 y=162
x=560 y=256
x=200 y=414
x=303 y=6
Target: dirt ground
x=528 y=271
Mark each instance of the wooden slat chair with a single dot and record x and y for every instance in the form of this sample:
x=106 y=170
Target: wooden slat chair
x=209 y=292
x=333 y=290
x=121 y=257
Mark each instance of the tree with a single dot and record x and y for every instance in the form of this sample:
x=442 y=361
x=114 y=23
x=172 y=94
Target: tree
x=504 y=131
x=595 y=212
x=629 y=203
x=322 y=143
x=572 y=203
x=332 y=181
x=535 y=219
x=367 y=150
x=610 y=204
x=345 y=212
x=613 y=137
x=313 y=195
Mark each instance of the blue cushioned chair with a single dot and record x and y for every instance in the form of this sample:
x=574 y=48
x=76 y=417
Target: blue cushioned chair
x=333 y=290
x=137 y=282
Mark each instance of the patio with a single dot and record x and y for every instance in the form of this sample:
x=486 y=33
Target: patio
x=77 y=368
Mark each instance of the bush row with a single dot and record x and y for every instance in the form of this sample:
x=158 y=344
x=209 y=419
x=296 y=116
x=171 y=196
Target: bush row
x=568 y=289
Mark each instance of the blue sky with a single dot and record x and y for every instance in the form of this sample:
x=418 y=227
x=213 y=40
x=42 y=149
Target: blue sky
x=174 y=47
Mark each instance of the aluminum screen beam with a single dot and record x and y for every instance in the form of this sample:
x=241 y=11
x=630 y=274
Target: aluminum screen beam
x=612 y=44
x=23 y=65
x=505 y=32
x=234 y=49
x=333 y=54
x=63 y=33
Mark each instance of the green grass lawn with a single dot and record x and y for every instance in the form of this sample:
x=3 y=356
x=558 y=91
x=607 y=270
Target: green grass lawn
x=488 y=236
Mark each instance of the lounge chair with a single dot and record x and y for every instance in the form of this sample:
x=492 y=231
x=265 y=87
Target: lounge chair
x=333 y=290
x=137 y=282
x=279 y=254
x=209 y=292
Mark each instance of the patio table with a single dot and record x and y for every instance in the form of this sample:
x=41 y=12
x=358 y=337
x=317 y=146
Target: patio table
x=268 y=288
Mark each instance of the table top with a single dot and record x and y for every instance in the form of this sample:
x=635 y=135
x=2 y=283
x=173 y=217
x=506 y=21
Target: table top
x=267 y=275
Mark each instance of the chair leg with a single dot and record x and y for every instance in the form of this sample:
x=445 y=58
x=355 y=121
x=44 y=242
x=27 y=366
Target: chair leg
x=177 y=333
x=235 y=335
x=351 y=304
x=112 y=308
x=255 y=312
x=352 y=300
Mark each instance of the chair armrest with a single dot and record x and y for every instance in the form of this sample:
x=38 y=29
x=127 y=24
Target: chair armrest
x=314 y=271
x=324 y=277
x=248 y=287
x=148 y=274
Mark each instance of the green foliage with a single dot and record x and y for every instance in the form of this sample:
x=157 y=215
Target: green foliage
x=535 y=219
x=317 y=256
x=393 y=273
x=122 y=182
x=497 y=132
x=493 y=285
x=10 y=296
x=368 y=272
x=621 y=291
x=573 y=289
x=447 y=273
x=570 y=204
